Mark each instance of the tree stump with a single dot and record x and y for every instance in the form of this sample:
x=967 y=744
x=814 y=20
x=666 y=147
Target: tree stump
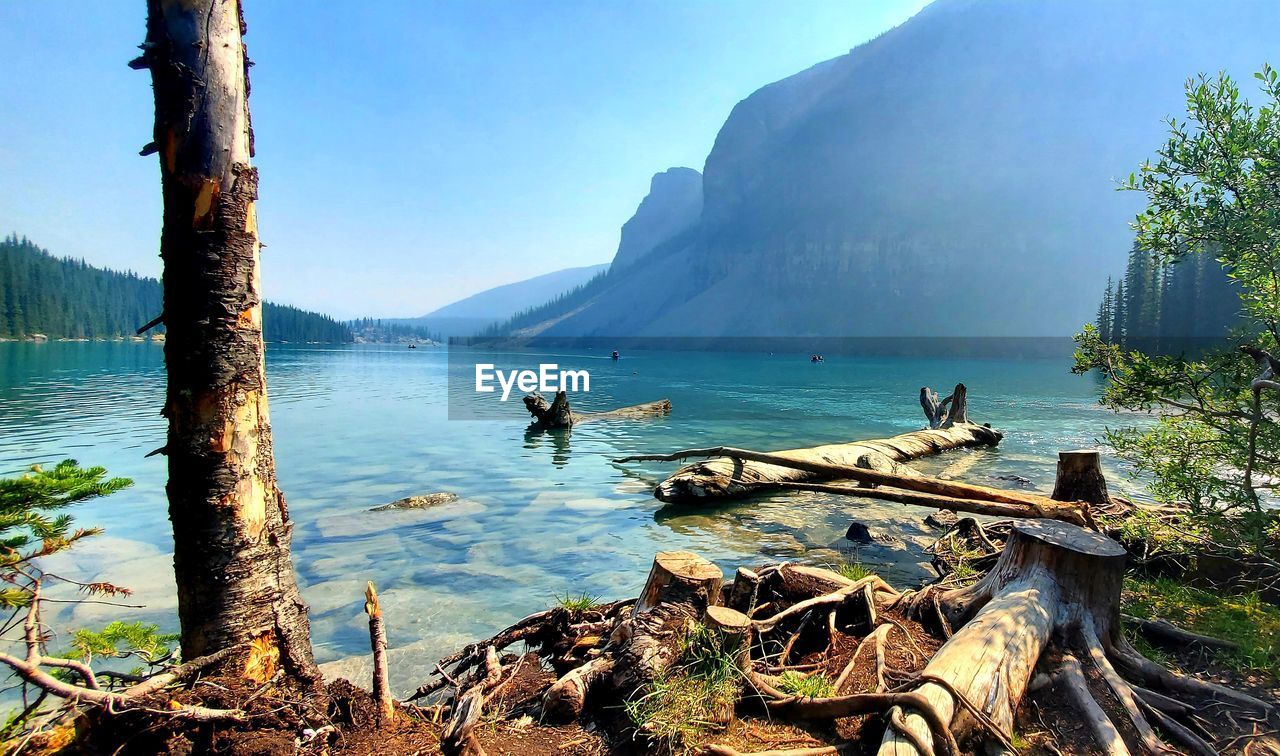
x=1080 y=477
x=744 y=592
x=680 y=577
x=734 y=627
x=1051 y=576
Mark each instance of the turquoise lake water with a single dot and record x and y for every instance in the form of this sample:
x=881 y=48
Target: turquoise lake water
x=359 y=426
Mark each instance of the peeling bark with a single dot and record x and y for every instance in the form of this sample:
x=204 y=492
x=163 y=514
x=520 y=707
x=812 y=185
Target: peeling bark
x=230 y=522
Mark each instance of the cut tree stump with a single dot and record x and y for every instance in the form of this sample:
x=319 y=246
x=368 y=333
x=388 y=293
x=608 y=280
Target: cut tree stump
x=1080 y=477
x=680 y=588
x=1050 y=575
x=680 y=577
x=743 y=593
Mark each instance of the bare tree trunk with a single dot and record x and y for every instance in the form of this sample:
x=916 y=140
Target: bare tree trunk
x=382 y=697
x=231 y=528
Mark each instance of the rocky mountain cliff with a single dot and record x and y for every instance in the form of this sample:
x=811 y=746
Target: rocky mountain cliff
x=955 y=175
x=674 y=203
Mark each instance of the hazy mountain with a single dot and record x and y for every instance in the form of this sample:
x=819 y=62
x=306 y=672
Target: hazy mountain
x=473 y=314
x=674 y=203
x=955 y=175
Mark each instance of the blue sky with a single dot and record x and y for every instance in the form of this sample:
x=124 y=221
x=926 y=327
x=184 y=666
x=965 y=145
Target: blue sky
x=414 y=152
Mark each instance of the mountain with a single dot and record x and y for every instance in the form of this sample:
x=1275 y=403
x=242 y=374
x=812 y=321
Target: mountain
x=470 y=316
x=66 y=298
x=673 y=205
x=954 y=176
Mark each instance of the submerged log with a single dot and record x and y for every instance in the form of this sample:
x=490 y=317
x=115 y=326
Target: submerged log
x=558 y=413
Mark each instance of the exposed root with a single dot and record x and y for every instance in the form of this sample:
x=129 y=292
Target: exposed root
x=1105 y=734
x=1053 y=593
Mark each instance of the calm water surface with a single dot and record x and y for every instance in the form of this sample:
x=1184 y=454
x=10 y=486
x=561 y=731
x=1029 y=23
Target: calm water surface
x=359 y=426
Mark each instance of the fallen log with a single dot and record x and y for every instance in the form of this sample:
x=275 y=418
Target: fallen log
x=1025 y=503
x=737 y=475
x=558 y=414
x=1071 y=512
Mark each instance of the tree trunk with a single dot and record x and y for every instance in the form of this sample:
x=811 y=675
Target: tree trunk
x=231 y=528
x=1080 y=477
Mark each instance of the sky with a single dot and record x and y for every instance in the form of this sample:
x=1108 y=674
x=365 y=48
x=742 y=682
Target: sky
x=412 y=153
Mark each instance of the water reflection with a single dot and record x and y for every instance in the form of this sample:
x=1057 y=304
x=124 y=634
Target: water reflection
x=557 y=439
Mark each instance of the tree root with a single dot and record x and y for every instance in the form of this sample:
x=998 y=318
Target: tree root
x=1054 y=591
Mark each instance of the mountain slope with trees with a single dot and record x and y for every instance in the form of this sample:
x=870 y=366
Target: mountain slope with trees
x=66 y=298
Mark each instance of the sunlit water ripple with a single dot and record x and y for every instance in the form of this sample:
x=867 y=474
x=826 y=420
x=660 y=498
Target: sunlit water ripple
x=538 y=514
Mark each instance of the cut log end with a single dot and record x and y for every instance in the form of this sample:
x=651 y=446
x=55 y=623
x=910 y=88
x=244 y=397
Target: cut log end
x=680 y=577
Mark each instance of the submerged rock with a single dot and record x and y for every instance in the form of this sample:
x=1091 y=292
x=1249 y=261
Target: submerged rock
x=859 y=533
x=1016 y=479
x=424 y=501
x=942 y=519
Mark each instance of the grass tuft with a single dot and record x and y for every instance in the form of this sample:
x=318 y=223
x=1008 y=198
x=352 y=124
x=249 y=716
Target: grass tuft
x=577 y=602
x=1244 y=619
x=810 y=686
x=853 y=570
x=692 y=697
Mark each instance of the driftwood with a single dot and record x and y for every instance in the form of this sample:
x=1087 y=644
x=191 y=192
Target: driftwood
x=948 y=412
x=558 y=414
x=956 y=494
x=1070 y=512
x=730 y=475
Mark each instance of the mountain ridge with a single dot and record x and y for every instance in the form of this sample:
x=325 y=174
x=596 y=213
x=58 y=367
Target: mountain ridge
x=953 y=176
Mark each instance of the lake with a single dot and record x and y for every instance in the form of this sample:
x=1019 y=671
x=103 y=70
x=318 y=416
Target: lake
x=537 y=515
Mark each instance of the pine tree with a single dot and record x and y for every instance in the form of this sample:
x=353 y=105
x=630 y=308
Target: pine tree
x=67 y=298
x=1106 y=311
